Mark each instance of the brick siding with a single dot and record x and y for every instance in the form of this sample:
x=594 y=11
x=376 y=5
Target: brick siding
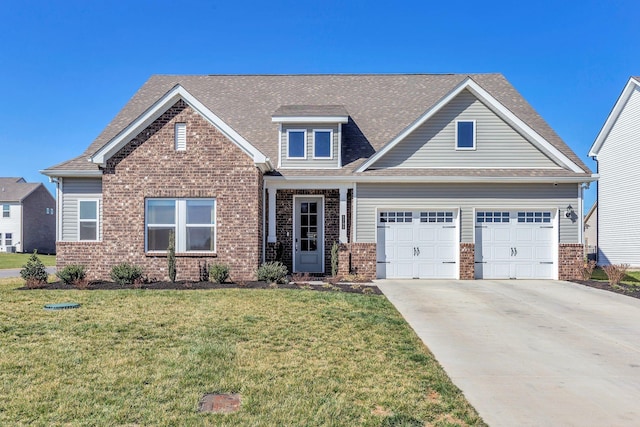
x=358 y=258
x=467 y=261
x=149 y=166
x=571 y=261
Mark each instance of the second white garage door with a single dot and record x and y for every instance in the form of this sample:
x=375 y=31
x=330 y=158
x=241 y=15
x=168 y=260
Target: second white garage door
x=515 y=245
x=417 y=244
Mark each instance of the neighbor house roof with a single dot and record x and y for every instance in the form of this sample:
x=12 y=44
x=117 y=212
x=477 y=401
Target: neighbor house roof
x=379 y=106
x=15 y=189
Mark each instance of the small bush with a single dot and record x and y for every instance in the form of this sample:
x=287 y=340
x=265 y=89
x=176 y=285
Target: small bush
x=171 y=257
x=34 y=272
x=73 y=274
x=219 y=273
x=272 y=272
x=335 y=251
x=587 y=270
x=615 y=273
x=203 y=271
x=126 y=273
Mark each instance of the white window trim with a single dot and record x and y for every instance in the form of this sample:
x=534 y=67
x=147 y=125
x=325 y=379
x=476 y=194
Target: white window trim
x=304 y=132
x=180 y=138
x=474 y=136
x=97 y=220
x=180 y=226
x=7 y=239
x=8 y=211
x=330 y=157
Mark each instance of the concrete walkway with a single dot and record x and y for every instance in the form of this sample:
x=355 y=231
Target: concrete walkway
x=531 y=353
x=15 y=272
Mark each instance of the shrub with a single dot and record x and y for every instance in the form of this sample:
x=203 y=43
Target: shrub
x=335 y=250
x=72 y=274
x=218 y=273
x=615 y=273
x=171 y=257
x=126 y=273
x=587 y=270
x=272 y=272
x=203 y=271
x=34 y=272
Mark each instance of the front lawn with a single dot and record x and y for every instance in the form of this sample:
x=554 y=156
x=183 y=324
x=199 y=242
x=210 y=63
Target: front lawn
x=18 y=260
x=140 y=357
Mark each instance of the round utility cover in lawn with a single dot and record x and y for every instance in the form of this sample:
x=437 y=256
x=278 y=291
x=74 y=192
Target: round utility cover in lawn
x=62 y=306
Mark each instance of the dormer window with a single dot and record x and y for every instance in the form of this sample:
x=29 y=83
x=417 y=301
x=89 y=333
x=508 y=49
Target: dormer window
x=465 y=134
x=323 y=144
x=296 y=143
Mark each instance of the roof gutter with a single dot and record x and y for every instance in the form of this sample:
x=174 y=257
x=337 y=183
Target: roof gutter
x=70 y=173
x=437 y=179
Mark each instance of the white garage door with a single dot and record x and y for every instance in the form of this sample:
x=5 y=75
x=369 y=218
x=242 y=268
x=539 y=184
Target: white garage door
x=417 y=244
x=515 y=245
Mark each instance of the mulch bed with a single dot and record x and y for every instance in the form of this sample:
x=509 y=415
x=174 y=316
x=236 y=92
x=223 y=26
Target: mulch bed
x=186 y=285
x=630 y=291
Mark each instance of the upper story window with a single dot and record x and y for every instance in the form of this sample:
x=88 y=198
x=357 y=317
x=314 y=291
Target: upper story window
x=296 y=144
x=465 y=135
x=5 y=211
x=8 y=239
x=193 y=222
x=322 y=144
x=88 y=220
x=181 y=136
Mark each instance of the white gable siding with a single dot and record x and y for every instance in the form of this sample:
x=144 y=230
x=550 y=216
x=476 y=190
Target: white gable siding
x=466 y=197
x=432 y=145
x=12 y=225
x=72 y=190
x=619 y=189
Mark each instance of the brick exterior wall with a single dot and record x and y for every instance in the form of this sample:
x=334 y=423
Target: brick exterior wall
x=39 y=228
x=570 y=261
x=358 y=258
x=467 y=261
x=284 y=225
x=149 y=166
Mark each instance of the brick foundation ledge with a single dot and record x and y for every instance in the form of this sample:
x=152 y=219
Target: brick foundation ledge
x=570 y=261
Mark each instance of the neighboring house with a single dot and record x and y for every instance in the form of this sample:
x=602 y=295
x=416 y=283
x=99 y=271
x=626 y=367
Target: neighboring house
x=27 y=217
x=616 y=151
x=591 y=232
x=429 y=176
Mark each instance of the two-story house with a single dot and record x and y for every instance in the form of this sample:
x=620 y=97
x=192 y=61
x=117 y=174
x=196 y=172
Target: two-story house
x=27 y=220
x=415 y=176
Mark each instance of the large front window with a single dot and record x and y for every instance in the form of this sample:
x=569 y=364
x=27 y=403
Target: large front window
x=192 y=220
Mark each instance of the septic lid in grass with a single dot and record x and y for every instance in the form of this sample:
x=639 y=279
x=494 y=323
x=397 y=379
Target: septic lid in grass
x=62 y=306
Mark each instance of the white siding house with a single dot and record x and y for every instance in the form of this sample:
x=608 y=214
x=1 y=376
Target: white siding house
x=616 y=151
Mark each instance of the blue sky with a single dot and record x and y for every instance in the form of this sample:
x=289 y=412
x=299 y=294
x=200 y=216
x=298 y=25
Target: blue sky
x=69 y=66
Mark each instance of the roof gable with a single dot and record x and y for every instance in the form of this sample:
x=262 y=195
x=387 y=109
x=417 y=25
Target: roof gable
x=16 y=189
x=498 y=108
x=632 y=85
x=160 y=107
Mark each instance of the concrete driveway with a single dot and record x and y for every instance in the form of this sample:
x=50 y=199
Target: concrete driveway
x=531 y=353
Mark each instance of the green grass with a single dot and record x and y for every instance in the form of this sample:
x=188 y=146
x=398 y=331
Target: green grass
x=298 y=358
x=631 y=278
x=18 y=260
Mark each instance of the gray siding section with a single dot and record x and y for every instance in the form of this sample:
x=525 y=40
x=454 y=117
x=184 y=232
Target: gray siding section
x=309 y=162
x=618 y=189
x=466 y=197
x=433 y=144
x=74 y=189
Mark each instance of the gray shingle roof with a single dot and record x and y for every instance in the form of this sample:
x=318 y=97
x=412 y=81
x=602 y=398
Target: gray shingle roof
x=15 y=189
x=311 y=111
x=380 y=106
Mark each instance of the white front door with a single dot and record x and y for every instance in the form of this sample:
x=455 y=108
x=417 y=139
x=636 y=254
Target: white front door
x=515 y=245
x=308 y=236
x=417 y=244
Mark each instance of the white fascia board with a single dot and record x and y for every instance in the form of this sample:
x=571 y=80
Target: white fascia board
x=310 y=119
x=631 y=85
x=315 y=182
x=158 y=108
x=70 y=173
x=496 y=106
